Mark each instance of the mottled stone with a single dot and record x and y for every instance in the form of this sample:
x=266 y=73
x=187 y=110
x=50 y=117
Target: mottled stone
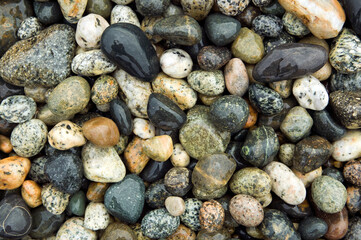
x=212 y=58
x=198 y=9
x=173 y=10
x=66 y=135
x=37 y=172
x=31 y=193
x=325 y=126
x=346 y=82
x=54 y=200
x=74 y=228
x=211 y=216
x=246 y=210
x=156 y=194
x=96 y=216
x=346 y=106
x=150 y=7
x=272 y=43
x=334 y=173
x=147 y=26
x=232 y=8
x=180 y=157
x=190 y=217
x=267 y=25
x=178 y=181
x=353 y=201
x=204 y=194
x=209 y=83
x=183 y=233
x=347 y=147
x=354 y=229
x=176 y=63
x=159 y=224
x=248 y=46
x=29 y=28
x=294 y=25
x=236 y=77
x=17 y=109
x=312 y=228
x=125 y=14
x=13 y=172
x=351 y=172
x=38 y=93
x=220 y=29
x=296 y=124
x=72 y=10
x=264 y=99
x=283 y=88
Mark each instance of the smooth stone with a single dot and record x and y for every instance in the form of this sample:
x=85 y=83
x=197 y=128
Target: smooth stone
x=37 y=172
x=267 y=25
x=100 y=7
x=248 y=46
x=246 y=210
x=347 y=148
x=346 y=46
x=77 y=204
x=17 y=109
x=276 y=225
x=66 y=135
x=312 y=228
x=179 y=29
x=351 y=172
x=325 y=126
x=329 y=194
x=49 y=118
x=48 y=12
x=13 y=172
x=7 y=90
x=104 y=90
x=232 y=8
x=270 y=68
x=147 y=26
x=154 y=170
x=96 y=216
x=294 y=25
x=176 y=63
x=285 y=184
x=31 y=193
x=297 y=124
x=173 y=10
x=308 y=178
x=208 y=100
x=203 y=194
x=102 y=164
x=211 y=216
x=29 y=138
x=69 y=179
x=158 y=148
x=74 y=228
x=15 y=217
x=247 y=15
x=353 y=201
x=352 y=9
x=175 y=206
x=72 y=11
x=156 y=194
x=96 y=191
x=122 y=144
x=136 y=92
x=234 y=150
x=125 y=199
x=54 y=200
x=261 y=3
x=123 y=2
x=163 y=113
x=183 y=232
x=118 y=230
x=236 y=77
x=101 y=131
x=143 y=128
x=178 y=90
x=151 y=7
x=38 y=93
x=229 y=221
x=5 y=145
x=125 y=14
x=69 y=97
x=29 y=28
x=337 y=223
x=346 y=82
x=212 y=58
x=251 y=181
x=310 y=93
x=142 y=62
x=190 y=217
x=45 y=223
x=264 y=99
x=346 y=107
x=48 y=70
x=135 y=158
x=178 y=181
x=260 y=146
x=159 y=224
x=121 y=115
x=229 y=113
x=272 y=43
x=209 y=83
x=220 y=29
x=283 y=88
x=193 y=50
x=198 y=9
x=180 y=157
x=329 y=14
x=334 y=173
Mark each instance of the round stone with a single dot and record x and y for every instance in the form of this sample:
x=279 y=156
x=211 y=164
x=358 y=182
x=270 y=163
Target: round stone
x=48 y=12
x=347 y=148
x=66 y=135
x=17 y=109
x=143 y=128
x=212 y=58
x=13 y=172
x=29 y=28
x=175 y=206
x=297 y=124
x=176 y=63
x=31 y=193
x=74 y=228
x=159 y=224
x=267 y=25
x=180 y=157
x=96 y=216
x=151 y=7
x=37 y=172
x=158 y=148
x=54 y=200
x=178 y=181
x=104 y=90
x=119 y=230
x=209 y=83
x=101 y=131
x=246 y=210
x=264 y=99
x=77 y=204
x=232 y=8
x=125 y=14
x=211 y=216
x=198 y=9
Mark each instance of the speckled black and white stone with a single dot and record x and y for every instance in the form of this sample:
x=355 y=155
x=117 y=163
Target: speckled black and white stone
x=92 y=63
x=209 y=83
x=17 y=109
x=294 y=25
x=283 y=38
x=37 y=171
x=176 y=63
x=74 y=228
x=29 y=138
x=29 y=28
x=159 y=224
x=265 y=100
x=261 y=3
x=125 y=14
x=96 y=216
x=349 y=82
x=53 y=200
x=232 y=8
x=267 y=25
x=190 y=217
x=347 y=46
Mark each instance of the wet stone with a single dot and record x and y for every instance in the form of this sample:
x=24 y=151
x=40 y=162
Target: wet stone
x=101 y=131
x=159 y=224
x=299 y=211
x=155 y=170
x=236 y=77
x=48 y=12
x=17 y=109
x=296 y=124
x=100 y=7
x=212 y=58
x=265 y=100
x=151 y=7
x=326 y=126
x=283 y=88
x=31 y=193
x=176 y=63
x=337 y=223
x=209 y=83
x=267 y=25
x=351 y=172
x=45 y=223
x=347 y=108
x=294 y=25
x=232 y=8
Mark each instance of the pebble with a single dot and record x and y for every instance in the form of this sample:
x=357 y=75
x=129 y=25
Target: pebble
x=45 y=223
x=154 y=170
x=123 y=2
x=267 y=25
x=352 y=9
x=37 y=172
x=246 y=210
x=310 y=93
x=345 y=105
x=180 y=157
x=183 y=232
x=220 y=29
x=96 y=191
x=351 y=172
x=308 y=178
x=198 y=9
x=74 y=228
x=222 y=234
x=211 y=216
x=264 y=99
x=326 y=126
x=209 y=83
x=48 y=12
x=337 y=223
x=353 y=201
x=347 y=82
x=175 y=206
x=178 y=181
x=158 y=148
x=15 y=219
x=89 y=31
x=328 y=194
x=272 y=43
x=176 y=63
x=283 y=88
x=142 y=62
x=354 y=229
x=312 y=228
x=124 y=14
x=143 y=128
x=247 y=15
x=334 y=173
x=232 y=8
x=5 y=144
x=251 y=181
x=248 y=46
x=347 y=148
x=203 y=194
x=121 y=145
x=236 y=77
x=190 y=217
x=69 y=97
x=324 y=19
x=100 y=7
x=121 y=115
x=77 y=204
x=72 y=11
x=104 y=90
x=29 y=28
x=173 y=10
x=19 y=66
x=156 y=194
x=212 y=58
x=261 y=3
x=31 y=193
x=13 y=172
x=29 y=138
x=118 y=230
x=178 y=90
x=285 y=184
x=96 y=216
x=125 y=200
x=159 y=224
x=54 y=200
x=297 y=124
x=66 y=135
x=147 y=26
x=7 y=90
x=294 y=26
x=149 y=8
x=38 y=93
x=101 y=131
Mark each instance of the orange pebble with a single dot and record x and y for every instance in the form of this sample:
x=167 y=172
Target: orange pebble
x=13 y=171
x=101 y=131
x=96 y=191
x=5 y=144
x=134 y=158
x=252 y=117
x=31 y=193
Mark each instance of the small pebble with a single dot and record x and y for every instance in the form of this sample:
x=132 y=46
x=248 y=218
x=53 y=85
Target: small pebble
x=180 y=157
x=74 y=228
x=294 y=25
x=29 y=28
x=175 y=206
x=176 y=63
x=54 y=200
x=209 y=83
x=17 y=109
x=13 y=172
x=104 y=90
x=101 y=131
x=267 y=25
x=236 y=77
x=211 y=216
x=96 y=216
x=190 y=217
x=297 y=124
x=232 y=8
x=246 y=210
x=348 y=147
x=351 y=172
x=158 y=148
x=66 y=135
x=125 y=14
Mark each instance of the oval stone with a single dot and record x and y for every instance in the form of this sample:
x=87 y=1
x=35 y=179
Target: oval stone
x=101 y=131
x=347 y=108
x=127 y=46
x=264 y=99
x=121 y=115
x=17 y=109
x=246 y=210
x=209 y=83
x=312 y=228
x=325 y=126
x=290 y=61
x=13 y=171
x=74 y=228
x=159 y=224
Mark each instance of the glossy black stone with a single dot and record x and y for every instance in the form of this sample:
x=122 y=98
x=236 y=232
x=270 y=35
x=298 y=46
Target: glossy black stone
x=127 y=45
x=154 y=170
x=289 y=61
x=325 y=126
x=293 y=211
x=48 y=12
x=121 y=115
x=353 y=12
x=45 y=223
x=15 y=217
x=65 y=172
x=7 y=90
x=312 y=228
x=234 y=149
x=164 y=113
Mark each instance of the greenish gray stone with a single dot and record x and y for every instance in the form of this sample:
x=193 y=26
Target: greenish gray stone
x=100 y=7
x=209 y=83
x=77 y=204
x=296 y=124
x=122 y=144
x=283 y=38
x=151 y=7
x=312 y=228
x=274 y=8
x=203 y=194
x=350 y=82
x=17 y=109
x=328 y=194
x=294 y=25
x=265 y=100
x=286 y=152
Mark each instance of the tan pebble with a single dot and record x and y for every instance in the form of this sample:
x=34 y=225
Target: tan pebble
x=13 y=171
x=158 y=148
x=183 y=233
x=143 y=128
x=324 y=73
x=175 y=206
x=211 y=216
x=37 y=93
x=308 y=178
x=246 y=210
x=265 y=200
x=134 y=158
x=31 y=193
x=314 y=40
x=236 y=77
x=5 y=144
x=101 y=131
x=254 y=232
x=66 y=135
x=96 y=216
x=180 y=157
x=208 y=100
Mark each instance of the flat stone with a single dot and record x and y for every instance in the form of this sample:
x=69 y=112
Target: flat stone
x=121 y=115
x=347 y=108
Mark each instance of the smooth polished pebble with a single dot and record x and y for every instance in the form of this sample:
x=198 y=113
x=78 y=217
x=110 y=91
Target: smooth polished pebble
x=176 y=63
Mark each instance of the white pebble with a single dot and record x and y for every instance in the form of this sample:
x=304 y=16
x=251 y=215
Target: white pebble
x=124 y=14
x=348 y=147
x=176 y=63
x=66 y=135
x=96 y=216
x=175 y=206
x=180 y=157
x=143 y=128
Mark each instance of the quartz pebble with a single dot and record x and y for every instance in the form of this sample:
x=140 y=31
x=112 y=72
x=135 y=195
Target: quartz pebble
x=143 y=128
x=54 y=200
x=176 y=63
x=74 y=228
x=29 y=28
x=96 y=216
x=175 y=206
x=180 y=157
x=158 y=148
x=66 y=135
x=89 y=31
x=347 y=148
x=125 y=14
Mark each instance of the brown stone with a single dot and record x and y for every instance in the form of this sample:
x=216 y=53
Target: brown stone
x=211 y=216
x=101 y=131
x=13 y=171
x=134 y=158
x=236 y=77
x=353 y=202
x=118 y=230
x=31 y=193
x=252 y=117
x=352 y=172
x=212 y=58
x=96 y=191
x=337 y=223
x=182 y=233
x=5 y=144
x=158 y=148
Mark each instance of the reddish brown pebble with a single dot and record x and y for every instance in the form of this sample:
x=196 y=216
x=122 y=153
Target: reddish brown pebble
x=246 y=210
x=211 y=216
x=252 y=117
x=96 y=191
x=352 y=172
x=353 y=202
x=5 y=144
x=337 y=223
x=134 y=158
x=13 y=171
x=182 y=233
x=31 y=193
x=101 y=131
